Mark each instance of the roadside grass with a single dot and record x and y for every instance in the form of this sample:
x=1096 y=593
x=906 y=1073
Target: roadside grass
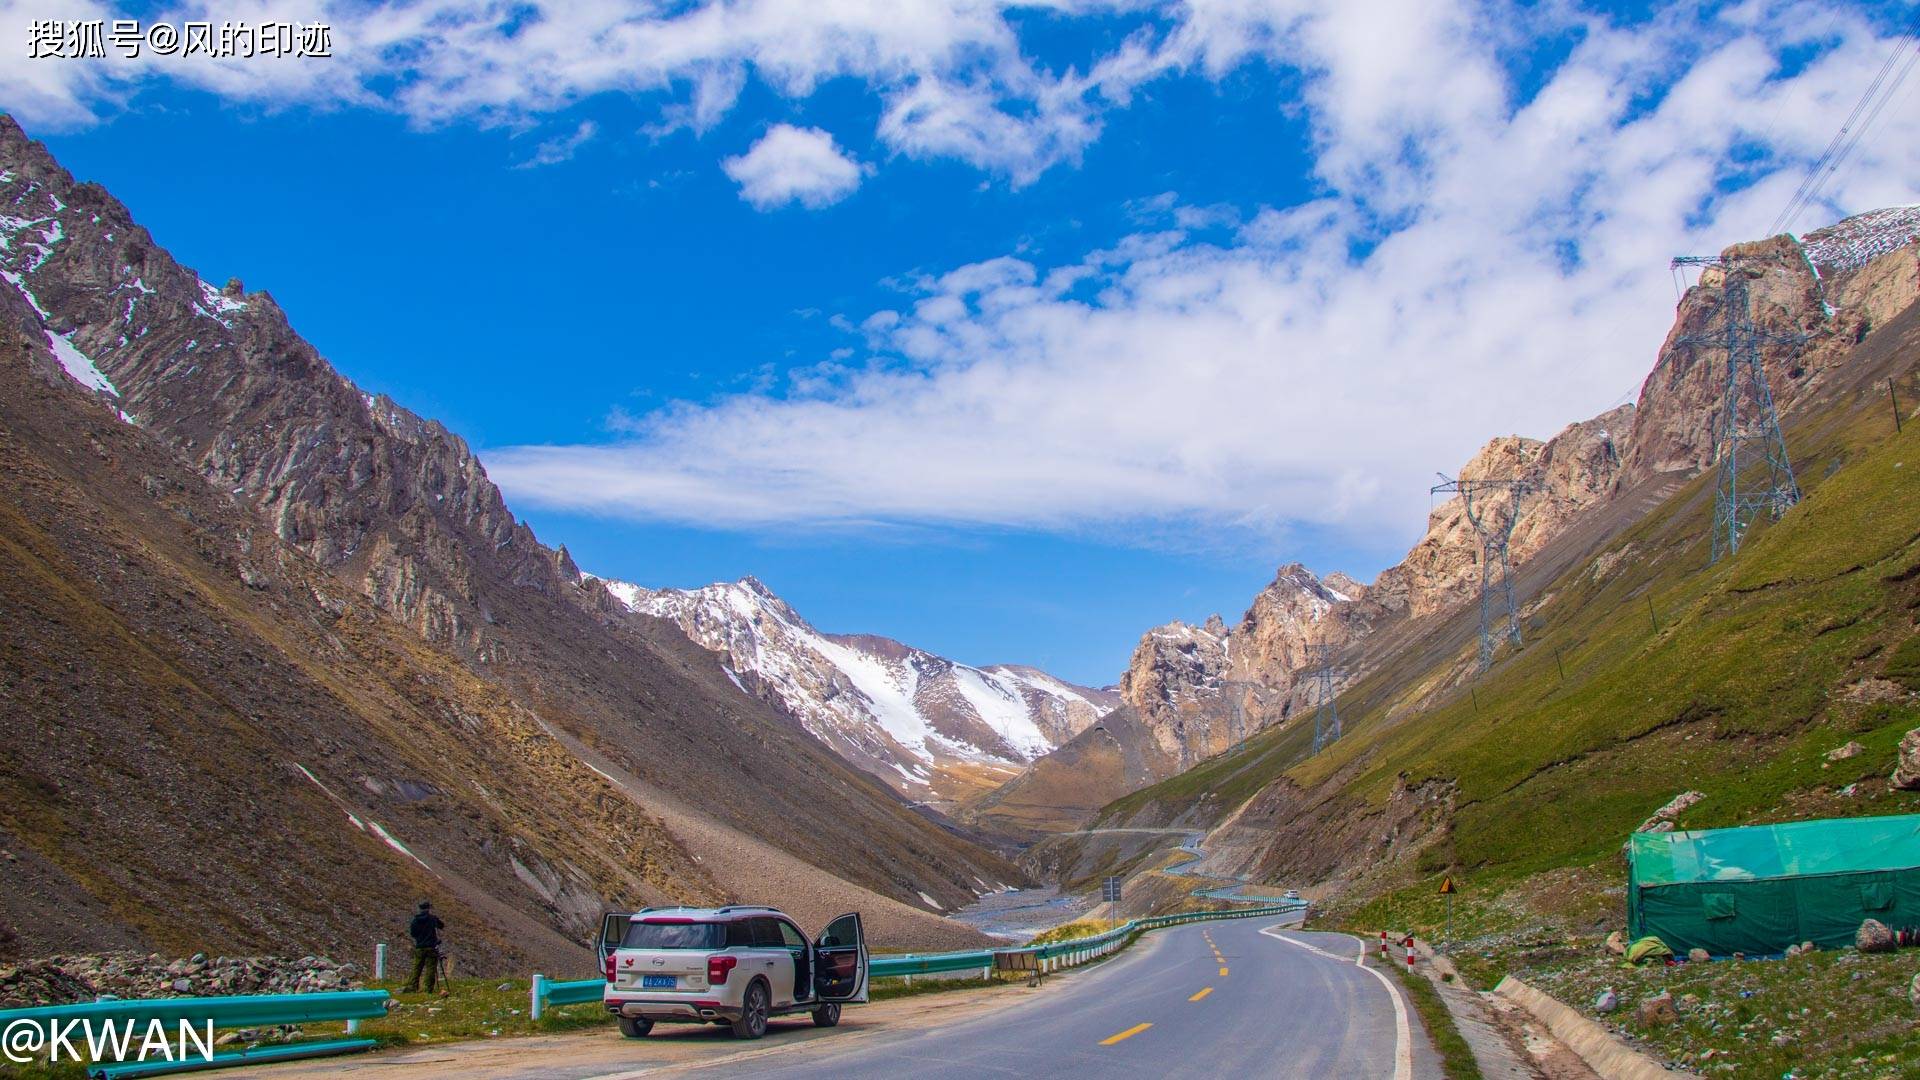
x=1841 y=1014
x=42 y=1071
x=1456 y=1057
x=1838 y=1014
x=474 y=1008
x=1079 y=928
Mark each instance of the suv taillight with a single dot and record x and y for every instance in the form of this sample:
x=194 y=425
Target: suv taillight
x=717 y=968
x=608 y=966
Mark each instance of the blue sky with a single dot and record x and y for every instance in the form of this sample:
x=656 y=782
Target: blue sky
x=1005 y=332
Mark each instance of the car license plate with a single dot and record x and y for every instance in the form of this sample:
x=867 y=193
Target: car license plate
x=657 y=982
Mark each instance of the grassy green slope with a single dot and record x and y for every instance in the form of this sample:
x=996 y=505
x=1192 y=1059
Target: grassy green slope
x=1733 y=679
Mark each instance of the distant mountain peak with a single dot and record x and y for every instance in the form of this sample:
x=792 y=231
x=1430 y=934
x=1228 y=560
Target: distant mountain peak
x=931 y=727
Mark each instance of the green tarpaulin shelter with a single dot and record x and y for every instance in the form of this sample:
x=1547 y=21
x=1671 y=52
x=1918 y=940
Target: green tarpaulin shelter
x=1762 y=888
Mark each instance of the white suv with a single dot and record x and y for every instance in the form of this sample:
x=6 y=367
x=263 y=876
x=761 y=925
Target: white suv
x=730 y=965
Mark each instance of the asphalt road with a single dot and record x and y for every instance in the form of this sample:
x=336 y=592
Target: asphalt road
x=1240 y=997
x=1234 y=998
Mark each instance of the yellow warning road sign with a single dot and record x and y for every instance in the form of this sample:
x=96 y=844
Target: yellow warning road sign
x=1446 y=887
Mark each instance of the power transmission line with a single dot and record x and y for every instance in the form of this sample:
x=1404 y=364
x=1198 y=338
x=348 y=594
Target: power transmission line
x=1865 y=112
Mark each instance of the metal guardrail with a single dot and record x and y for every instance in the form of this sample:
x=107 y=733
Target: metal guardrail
x=1077 y=950
x=237 y=1011
x=546 y=992
x=228 y=1059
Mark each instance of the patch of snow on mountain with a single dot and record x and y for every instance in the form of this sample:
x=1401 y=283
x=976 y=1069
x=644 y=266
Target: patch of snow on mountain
x=1042 y=682
x=1862 y=238
x=388 y=839
x=889 y=693
x=1003 y=708
x=20 y=283
x=78 y=365
x=625 y=592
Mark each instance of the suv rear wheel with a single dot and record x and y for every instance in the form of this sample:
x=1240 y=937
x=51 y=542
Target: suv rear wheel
x=634 y=1027
x=827 y=1015
x=753 y=1012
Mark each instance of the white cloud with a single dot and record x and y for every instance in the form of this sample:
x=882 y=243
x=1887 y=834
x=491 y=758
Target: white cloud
x=1479 y=265
x=950 y=74
x=794 y=165
x=561 y=147
x=1478 y=258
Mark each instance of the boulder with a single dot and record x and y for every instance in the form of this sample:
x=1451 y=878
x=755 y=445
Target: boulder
x=1698 y=955
x=1874 y=936
x=1617 y=943
x=1668 y=814
x=1906 y=771
x=1607 y=1001
x=1913 y=992
x=1658 y=1009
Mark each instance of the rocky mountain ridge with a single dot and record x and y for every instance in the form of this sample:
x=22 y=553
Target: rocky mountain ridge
x=330 y=504
x=1195 y=692
x=1202 y=690
x=934 y=729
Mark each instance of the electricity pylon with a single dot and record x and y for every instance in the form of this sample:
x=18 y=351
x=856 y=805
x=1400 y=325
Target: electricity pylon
x=1326 y=718
x=1493 y=523
x=1756 y=476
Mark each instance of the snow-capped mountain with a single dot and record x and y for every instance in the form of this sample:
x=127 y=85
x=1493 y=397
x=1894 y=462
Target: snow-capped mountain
x=933 y=728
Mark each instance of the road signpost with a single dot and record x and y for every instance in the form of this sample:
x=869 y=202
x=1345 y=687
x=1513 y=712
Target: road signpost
x=1447 y=889
x=1110 y=892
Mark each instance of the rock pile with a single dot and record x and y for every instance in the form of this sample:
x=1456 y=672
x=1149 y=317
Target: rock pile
x=61 y=980
x=1663 y=819
x=1906 y=771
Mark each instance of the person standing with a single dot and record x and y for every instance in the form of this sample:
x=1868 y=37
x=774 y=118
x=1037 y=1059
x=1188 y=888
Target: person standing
x=425 y=932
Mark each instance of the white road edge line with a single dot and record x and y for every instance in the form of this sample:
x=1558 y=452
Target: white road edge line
x=1402 y=1032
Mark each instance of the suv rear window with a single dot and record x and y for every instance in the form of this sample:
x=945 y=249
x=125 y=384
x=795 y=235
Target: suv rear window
x=672 y=935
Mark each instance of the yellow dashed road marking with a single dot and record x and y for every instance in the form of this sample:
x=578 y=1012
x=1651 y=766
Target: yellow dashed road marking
x=1201 y=994
x=1223 y=971
x=1127 y=1034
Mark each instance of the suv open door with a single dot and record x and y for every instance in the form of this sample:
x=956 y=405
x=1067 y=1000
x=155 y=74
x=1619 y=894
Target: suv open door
x=613 y=929
x=840 y=961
